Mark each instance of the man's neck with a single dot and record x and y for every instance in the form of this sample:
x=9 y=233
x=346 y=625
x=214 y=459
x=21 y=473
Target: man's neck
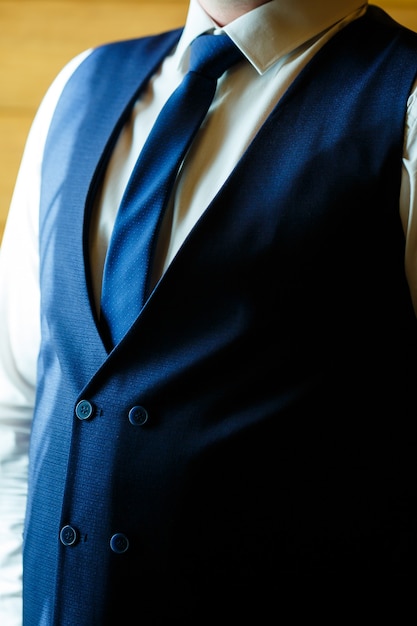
x=224 y=11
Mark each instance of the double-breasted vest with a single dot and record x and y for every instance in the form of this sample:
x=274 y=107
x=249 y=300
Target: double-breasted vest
x=258 y=419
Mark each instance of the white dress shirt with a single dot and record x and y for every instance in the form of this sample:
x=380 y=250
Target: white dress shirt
x=278 y=44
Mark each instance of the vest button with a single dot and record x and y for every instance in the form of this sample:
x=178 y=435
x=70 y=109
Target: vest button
x=119 y=543
x=84 y=410
x=68 y=535
x=138 y=416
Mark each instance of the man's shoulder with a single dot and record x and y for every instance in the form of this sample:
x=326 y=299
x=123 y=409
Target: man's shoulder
x=120 y=65
x=137 y=48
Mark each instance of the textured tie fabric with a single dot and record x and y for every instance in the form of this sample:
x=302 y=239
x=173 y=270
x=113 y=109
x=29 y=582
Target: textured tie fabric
x=129 y=259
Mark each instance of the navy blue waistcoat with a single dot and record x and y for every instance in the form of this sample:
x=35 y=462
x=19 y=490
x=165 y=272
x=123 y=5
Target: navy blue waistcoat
x=259 y=417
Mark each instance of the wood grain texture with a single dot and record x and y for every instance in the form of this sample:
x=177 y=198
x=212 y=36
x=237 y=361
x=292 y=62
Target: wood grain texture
x=38 y=37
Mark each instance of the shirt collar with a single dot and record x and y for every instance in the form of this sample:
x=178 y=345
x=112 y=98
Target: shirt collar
x=272 y=30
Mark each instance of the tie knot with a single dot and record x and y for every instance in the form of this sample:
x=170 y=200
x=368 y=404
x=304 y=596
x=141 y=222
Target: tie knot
x=212 y=55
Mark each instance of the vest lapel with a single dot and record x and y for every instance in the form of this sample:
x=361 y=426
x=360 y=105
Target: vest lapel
x=82 y=120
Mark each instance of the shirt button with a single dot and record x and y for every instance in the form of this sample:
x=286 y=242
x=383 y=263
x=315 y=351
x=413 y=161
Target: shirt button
x=84 y=410
x=68 y=535
x=138 y=416
x=119 y=543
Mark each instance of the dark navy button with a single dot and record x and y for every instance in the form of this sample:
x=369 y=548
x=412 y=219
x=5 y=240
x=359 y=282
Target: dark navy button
x=138 y=416
x=119 y=543
x=68 y=535
x=84 y=410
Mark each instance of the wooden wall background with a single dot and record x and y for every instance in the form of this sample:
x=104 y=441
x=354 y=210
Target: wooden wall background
x=37 y=37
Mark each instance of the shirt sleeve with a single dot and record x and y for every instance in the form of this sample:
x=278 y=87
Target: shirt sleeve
x=19 y=348
x=408 y=195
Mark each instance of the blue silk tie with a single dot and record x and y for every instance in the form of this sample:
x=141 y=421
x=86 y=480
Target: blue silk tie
x=129 y=258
